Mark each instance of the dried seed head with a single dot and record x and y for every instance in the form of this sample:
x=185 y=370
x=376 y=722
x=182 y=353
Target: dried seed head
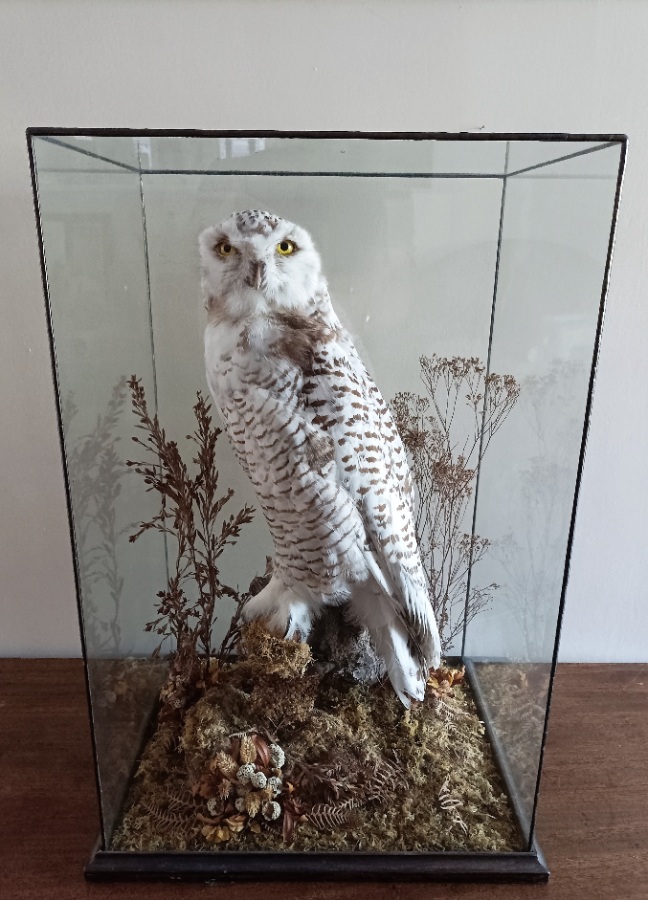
x=252 y=804
x=225 y=764
x=277 y=756
x=247 y=750
x=239 y=803
x=215 y=806
x=225 y=789
x=243 y=789
x=245 y=772
x=271 y=810
x=258 y=780
x=275 y=784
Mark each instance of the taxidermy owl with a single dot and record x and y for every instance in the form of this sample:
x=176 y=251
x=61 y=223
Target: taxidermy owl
x=316 y=438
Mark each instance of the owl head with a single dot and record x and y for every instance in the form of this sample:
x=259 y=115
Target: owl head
x=255 y=261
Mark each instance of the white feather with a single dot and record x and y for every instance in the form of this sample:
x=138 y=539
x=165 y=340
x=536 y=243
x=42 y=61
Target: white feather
x=319 y=445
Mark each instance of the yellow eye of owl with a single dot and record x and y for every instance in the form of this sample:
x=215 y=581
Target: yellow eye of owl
x=285 y=248
x=225 y=249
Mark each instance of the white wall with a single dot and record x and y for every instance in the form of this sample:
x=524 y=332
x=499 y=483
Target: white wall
x=493 y=65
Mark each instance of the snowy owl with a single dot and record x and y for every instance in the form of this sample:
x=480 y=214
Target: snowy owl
x=316 y=438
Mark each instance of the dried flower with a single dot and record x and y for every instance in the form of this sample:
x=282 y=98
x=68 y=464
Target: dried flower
x=252 y=804
x=258 y=780
x=444 y=467
x=277 y=756
x=275 y=784
x=225 y=789
x=239 y=803
x=271 y=810
x=216 y=833
x=236 y=823
x=224 y=763
x=215 y=806
x=245 y=773
x=247 y=750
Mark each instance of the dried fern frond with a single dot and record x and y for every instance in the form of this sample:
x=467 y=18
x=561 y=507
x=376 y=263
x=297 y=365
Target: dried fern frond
x=385 y=780
x=450 y=803
x=329 y=816
x=174 y=810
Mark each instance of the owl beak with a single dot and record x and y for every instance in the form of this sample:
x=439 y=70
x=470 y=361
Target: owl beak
x=257 y=274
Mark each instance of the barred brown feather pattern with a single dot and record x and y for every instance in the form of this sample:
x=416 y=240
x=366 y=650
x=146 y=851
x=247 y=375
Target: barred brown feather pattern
x=312 y=431
x=290 y=460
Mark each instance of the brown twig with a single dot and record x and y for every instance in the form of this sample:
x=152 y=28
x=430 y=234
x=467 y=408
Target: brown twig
x=191 y=514
x=444 y=469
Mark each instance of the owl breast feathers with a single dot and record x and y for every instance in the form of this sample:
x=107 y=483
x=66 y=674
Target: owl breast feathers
x=316 y=438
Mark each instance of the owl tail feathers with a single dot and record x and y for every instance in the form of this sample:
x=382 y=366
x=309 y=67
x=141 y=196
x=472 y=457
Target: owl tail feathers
x=406 y=663
x=432 y=649
x=283 y=611
x=404 y=671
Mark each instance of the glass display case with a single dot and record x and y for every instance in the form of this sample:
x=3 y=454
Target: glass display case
x=323 y=404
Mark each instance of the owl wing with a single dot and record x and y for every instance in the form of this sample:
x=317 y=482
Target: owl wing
x=372 y=466
x=316 y=527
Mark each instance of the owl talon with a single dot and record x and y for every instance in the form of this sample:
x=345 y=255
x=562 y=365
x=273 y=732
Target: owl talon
x=284 y=613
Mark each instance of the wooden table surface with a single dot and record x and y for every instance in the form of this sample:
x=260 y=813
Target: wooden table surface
x=592 y=824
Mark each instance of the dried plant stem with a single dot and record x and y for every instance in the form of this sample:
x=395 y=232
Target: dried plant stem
x=444 y=469
x=191 y=517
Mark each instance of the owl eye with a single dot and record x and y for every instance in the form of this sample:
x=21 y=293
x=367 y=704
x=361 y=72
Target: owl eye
x=224 y=248
x=285 y=248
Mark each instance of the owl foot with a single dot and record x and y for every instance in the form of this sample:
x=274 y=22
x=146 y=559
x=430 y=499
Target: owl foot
x=285 y=613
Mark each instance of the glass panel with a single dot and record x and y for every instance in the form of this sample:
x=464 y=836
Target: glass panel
x=555 y=236
x=417 y=238
x=347 y=155
x=531 y=157
x=410 y=258
x=87 y=153
x=352 y=156
x=94 y=252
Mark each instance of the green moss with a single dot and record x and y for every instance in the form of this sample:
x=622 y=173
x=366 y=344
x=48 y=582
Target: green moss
x=361 y=771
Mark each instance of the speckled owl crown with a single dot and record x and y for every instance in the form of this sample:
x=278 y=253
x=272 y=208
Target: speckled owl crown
x=256 y=221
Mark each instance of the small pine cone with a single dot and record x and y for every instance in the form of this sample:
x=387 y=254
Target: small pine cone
x=252 y=804
x=277 y=756
x=225 y=764
x=258 y=780
x=245 y=772
x=247 y=750
x=271 y=810
x=275 y=784
x=239 y=803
